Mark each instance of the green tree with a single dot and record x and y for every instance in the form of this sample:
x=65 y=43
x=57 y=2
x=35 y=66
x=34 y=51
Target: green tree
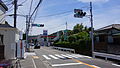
x=78 y=28
x=72 y=38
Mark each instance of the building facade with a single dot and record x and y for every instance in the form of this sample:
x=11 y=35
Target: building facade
x=107 y=39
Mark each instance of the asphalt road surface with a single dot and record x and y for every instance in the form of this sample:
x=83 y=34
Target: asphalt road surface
x=52 y=58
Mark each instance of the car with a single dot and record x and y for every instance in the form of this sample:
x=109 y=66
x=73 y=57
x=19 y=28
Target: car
x=37 y=46
x=31 y=44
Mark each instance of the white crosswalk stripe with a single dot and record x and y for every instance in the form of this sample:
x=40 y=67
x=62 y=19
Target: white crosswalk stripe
x=72 y=55
x=59 y=56
x=66 y=56
x=53 y=57
x=46 y=57
x=63 y=56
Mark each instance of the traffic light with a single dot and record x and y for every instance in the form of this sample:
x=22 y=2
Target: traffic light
x=38 y=25
x=79 y=13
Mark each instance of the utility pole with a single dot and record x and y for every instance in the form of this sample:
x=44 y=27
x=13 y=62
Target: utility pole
x=92 y=37
x=66 y=31
x=15 y=12
x=27 y=46
x=66 y=25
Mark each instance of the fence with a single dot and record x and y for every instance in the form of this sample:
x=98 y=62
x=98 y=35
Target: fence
x=117 y=57
x=64 y=49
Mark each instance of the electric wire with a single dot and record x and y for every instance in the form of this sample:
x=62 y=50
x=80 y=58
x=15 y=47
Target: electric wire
x=61 y=13
x=57 y=26
x=30 y=7
x=23 y=2
x=40 y=1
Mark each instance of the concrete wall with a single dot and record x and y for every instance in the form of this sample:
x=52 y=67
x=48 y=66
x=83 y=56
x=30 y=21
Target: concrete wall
x=9 y=41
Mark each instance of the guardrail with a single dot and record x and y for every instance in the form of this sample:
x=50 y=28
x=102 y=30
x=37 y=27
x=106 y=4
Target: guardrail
x=64 y=49
x=117 y=57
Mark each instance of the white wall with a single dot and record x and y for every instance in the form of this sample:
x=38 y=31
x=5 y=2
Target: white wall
x=9 y=41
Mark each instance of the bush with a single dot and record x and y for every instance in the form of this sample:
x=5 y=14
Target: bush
x=80 y=46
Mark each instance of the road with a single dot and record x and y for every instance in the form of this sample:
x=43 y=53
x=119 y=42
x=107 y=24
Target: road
x=52 y=58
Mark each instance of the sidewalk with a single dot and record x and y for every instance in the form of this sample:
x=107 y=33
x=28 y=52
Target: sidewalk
x=30 y=62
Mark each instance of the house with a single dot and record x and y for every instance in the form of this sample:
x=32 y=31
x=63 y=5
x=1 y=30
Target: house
x=107 y=39
x=10 y=36
x=3 y=9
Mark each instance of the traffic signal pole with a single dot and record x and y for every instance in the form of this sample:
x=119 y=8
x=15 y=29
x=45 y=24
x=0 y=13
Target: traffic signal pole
x=92 y=37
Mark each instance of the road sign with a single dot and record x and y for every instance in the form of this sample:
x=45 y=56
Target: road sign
x=45 y=32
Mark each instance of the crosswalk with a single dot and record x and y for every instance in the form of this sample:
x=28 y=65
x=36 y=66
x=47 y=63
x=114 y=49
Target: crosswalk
x=64 y=56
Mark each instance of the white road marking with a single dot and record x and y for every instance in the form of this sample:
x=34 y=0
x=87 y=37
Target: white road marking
x=46 y=57
x=28 y=54
x=59 y=56
x=54 y=65
x=53 y=57
x=96 y=66
x=116 y=65
x=87 y=57
x=72 y=55
x=34 y=63
x=77 y=55
x=66 y=56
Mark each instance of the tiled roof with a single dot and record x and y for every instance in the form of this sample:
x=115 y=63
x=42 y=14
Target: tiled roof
x=117 y=26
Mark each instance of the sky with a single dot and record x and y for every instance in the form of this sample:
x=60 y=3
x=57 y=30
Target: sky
x=105 y=12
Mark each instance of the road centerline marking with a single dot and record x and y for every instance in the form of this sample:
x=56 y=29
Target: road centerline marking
x=84 y=63
x=66 y=64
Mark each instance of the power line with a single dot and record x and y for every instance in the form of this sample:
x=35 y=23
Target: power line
x=9 y=3
x=56 y=14
x=36 y=8
x=57 y=26
x=30 y=7
x=23 y=2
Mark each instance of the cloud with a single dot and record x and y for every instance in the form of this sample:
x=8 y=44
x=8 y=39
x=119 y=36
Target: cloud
x=93 y=1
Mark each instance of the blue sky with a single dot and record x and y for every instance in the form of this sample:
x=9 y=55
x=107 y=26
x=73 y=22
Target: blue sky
x=105 y=12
